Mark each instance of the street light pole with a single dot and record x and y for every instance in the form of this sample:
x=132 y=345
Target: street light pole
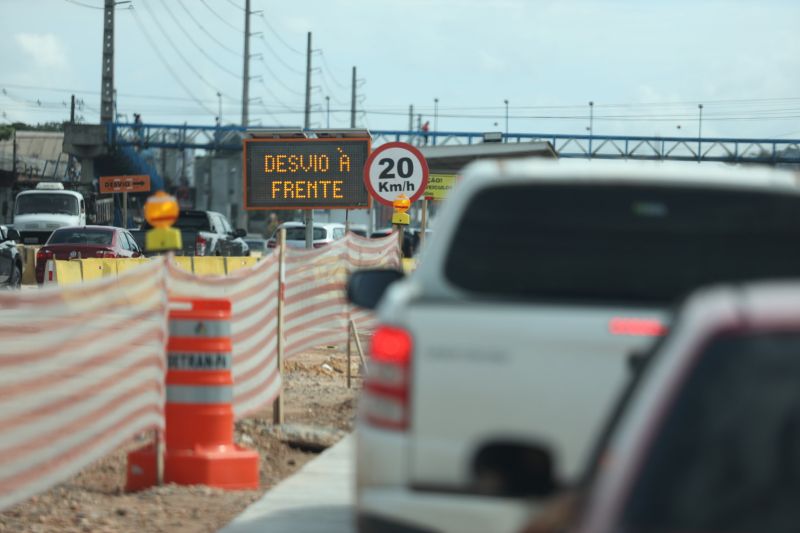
x=328 y=110
x=591 y=126
x=506 y=136
x=435 y=119
x=699 y=132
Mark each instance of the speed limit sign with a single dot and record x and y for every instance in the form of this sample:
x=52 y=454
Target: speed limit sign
x=393 y=169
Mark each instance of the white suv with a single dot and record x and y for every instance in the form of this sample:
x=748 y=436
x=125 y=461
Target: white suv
x=500 y=356
x=324 y=233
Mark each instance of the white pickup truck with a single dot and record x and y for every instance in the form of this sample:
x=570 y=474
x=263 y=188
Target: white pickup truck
x=499 y=358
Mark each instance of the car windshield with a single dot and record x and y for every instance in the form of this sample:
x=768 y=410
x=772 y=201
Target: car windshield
x=62 y=204
x=629 y=244
x=299 y=234
x=81 y=236
x=727 y=456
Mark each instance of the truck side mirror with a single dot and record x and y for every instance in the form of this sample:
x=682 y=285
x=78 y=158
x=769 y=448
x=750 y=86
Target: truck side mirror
x=365 y=288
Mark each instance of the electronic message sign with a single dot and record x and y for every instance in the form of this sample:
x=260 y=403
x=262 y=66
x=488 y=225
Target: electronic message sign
x=305 y=173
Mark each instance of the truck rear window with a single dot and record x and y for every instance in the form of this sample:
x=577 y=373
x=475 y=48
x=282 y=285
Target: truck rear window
x=628 y=244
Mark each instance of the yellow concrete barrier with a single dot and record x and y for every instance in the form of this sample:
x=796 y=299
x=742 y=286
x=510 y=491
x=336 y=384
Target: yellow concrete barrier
x=97 y=268
x=209 y=266
x=123 y=265
x=184 y=262
x=233 y=264
x=68 y=272
x=28 y=263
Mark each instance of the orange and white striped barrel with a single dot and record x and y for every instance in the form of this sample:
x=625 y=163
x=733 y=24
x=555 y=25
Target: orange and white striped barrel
x=199 y=409
x=199 y=406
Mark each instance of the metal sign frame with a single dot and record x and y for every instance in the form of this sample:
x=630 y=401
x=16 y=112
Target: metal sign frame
x=357 y=176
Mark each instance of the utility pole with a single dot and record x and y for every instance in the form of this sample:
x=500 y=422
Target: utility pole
x=410 y=123
x=246 y=68
x=307 y=124
x=72 y=111
x=328 y=111
x=700 y=133
x=353 y=101
x=107 y=75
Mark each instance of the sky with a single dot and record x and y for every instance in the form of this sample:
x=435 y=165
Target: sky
x=645 y=65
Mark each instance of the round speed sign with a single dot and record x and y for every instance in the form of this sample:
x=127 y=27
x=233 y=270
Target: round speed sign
x=393 y=169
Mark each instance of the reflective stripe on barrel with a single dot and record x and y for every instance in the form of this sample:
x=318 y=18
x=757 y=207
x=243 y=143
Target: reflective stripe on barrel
x=199 y=394
x=199 y=328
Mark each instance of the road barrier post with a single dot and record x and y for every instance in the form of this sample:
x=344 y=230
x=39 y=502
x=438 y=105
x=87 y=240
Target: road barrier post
x=277 y=405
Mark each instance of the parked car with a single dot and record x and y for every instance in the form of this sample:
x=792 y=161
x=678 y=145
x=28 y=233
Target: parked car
x=83 y=242
x=708 y=438
x=358 y=229
x=324 y=234
x=511 y=339
x=257 y=244
x=10 y=258
x=205 y=233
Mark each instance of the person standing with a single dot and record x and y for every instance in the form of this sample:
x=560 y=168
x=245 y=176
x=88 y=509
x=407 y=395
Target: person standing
x=425 y=129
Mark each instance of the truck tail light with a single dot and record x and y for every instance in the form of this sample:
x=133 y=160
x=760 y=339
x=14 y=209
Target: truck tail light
x=272 y=243
x=200 y=245
x=386 y=387
x=105 y=254
x=320 y=244
x=642 y=327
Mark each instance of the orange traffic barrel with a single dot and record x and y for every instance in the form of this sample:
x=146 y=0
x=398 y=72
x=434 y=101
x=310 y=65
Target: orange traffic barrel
x=199 y=413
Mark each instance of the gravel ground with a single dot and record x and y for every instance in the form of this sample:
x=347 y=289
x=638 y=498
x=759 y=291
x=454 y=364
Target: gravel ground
x=316 y=394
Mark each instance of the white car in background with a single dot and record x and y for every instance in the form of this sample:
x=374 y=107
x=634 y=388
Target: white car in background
x=324 y=234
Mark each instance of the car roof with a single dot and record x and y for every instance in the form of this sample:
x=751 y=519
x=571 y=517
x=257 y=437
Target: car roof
x=635 y=172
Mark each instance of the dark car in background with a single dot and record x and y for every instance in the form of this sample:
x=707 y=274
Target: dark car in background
x=10 y=258
x=84 y=242
x=205 y=233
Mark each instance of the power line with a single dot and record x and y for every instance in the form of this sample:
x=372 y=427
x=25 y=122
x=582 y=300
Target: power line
x=278 y=79
x=272 y=30
x=234 y=4
x=75 y=2
x=175 y=48
x=228 y=24
x=330 y=72
x=208 y=33
x=269 y=91
x=200 y=48
x=278 y=57
x=167 y=65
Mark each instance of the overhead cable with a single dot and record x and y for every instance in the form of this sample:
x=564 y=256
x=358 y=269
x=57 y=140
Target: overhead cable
x=275 y=33
x=228 y=24
x=167 y=65
x=199 y=48
x=208 y=33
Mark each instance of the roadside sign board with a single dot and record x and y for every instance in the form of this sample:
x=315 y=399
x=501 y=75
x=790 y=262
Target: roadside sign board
x=305 y=173
x=393 y=169
x=129 y=183
x=439 y=186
